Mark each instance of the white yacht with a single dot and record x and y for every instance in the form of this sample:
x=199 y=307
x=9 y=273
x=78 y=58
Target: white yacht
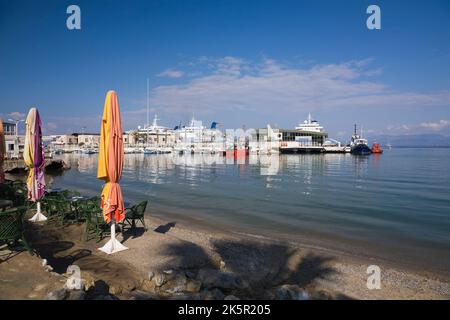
x=154 y=128
x=310 y=125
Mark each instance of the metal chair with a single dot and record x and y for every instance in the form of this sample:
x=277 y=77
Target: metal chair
x=95 y=224
x=133 y=214
x=11 y=227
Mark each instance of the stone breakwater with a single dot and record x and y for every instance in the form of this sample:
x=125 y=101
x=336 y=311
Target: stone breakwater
x=14 y=166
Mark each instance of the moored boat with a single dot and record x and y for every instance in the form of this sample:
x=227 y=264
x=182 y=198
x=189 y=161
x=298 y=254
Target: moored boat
x=359 y=145
x=376 y=148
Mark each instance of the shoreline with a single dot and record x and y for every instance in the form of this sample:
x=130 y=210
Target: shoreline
x=334 y=274
x=387 y=233
x=267 y=264
x=339 y=247
x=180 y=261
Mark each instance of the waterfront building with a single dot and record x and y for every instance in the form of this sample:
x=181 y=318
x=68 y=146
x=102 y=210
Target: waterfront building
x=88 y=140
x=264 y=140
x=308 y=136
x=129 y=138
x=64 y=143
x=14 y=143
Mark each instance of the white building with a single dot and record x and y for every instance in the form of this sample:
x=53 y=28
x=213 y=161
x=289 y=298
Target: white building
x=14 y=143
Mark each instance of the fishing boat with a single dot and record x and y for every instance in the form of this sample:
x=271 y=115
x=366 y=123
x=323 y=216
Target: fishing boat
x=376 y=148
x=359 y=145
x=88 y=151
x=149 y=151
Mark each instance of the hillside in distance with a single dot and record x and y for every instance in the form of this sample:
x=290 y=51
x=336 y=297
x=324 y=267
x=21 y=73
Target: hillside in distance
x=412 y=140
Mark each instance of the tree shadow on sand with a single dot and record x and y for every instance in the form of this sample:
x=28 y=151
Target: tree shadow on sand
x=59 y=253
x=262 y=266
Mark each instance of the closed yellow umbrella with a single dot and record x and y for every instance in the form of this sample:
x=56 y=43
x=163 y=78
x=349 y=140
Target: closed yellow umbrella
x=110 y=163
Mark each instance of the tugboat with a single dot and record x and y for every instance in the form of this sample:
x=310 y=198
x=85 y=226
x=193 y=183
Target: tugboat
x=358 y=145
x=376 y=148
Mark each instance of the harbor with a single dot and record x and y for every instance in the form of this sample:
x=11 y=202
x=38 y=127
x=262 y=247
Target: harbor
x=195 y=138
x=179 y=152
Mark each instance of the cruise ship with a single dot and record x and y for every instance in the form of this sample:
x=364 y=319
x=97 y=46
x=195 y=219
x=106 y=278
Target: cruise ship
x=310 y=125
x=197 y=138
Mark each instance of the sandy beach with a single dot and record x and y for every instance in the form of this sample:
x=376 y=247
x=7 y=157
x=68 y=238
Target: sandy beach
x=176 y=260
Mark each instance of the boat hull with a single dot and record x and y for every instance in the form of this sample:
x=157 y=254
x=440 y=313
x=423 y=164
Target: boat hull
x=301 y=150
x=361 y=149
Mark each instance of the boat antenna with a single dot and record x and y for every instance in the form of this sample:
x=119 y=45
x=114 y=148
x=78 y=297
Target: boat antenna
x=355 y=129
x=148 y=108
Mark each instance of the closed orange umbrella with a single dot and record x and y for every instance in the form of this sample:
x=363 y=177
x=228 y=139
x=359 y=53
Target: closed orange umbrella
x=2 y=151
x=110 y=163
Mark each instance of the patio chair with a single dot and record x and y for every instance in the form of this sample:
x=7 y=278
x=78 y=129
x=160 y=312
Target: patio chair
x=64 y=212
x=96 y=227
x=50 y=206
x=133 y=214
x=11 y=227
x=16 y=192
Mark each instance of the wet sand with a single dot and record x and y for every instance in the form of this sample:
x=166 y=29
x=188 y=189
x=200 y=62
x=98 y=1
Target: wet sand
x=177 y=260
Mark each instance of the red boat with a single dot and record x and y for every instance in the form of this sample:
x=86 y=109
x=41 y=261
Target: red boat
x=376 y=148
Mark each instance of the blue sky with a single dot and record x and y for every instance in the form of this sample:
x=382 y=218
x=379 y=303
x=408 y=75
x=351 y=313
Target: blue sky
x=247 y=62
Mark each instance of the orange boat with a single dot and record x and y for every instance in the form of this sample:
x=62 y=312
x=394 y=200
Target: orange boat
x=376 y=148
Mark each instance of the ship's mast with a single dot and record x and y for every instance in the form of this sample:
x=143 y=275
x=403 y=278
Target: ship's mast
x=148 y=106
x=148 y=109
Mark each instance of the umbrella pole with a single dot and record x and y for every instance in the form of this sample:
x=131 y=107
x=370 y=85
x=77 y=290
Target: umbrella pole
x=113 y=245
x=38 y=217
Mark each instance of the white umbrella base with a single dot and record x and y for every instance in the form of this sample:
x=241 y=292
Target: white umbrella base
x=38 y=217
x=113 y=246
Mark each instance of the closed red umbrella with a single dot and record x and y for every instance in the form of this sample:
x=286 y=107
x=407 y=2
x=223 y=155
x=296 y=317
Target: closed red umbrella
x=110 y=163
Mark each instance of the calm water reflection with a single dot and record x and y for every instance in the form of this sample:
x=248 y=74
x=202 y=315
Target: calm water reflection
x=395 y=204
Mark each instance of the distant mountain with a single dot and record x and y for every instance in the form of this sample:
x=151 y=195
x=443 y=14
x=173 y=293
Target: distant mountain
x=412 y=140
